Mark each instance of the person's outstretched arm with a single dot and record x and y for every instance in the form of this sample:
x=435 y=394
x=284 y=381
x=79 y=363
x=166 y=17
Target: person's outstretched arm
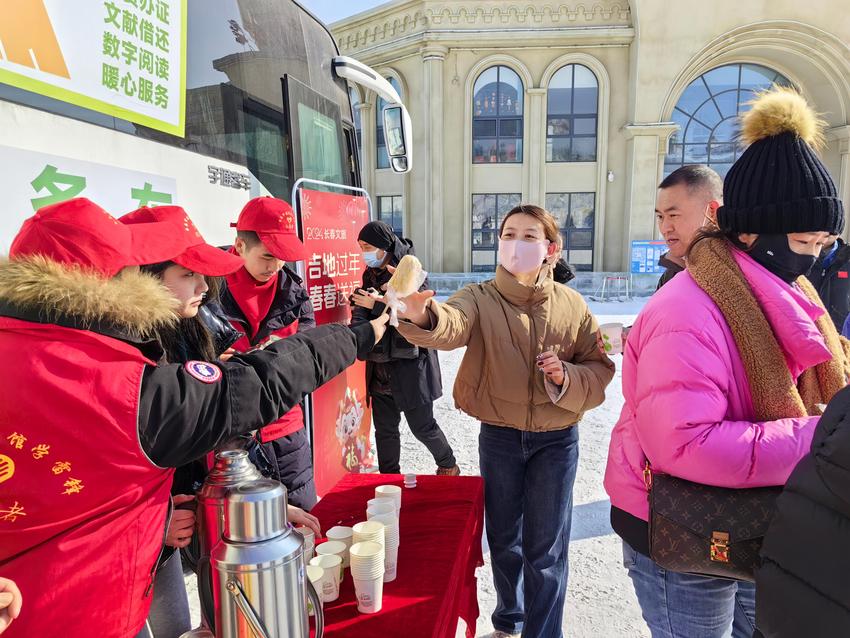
x=441 y=326
x=188 y=410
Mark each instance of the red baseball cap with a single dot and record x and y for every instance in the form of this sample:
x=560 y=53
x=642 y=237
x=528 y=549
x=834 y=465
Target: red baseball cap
x=80 y=232
x=274 y=222
x=198 y=256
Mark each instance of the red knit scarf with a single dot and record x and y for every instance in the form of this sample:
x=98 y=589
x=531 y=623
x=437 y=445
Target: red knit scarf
x=253 y=297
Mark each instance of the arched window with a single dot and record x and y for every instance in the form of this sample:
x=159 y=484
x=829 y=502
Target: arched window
x=358 y=125
x=380 y=143
x=497 y=117
x=571 y=115
x=707 y=115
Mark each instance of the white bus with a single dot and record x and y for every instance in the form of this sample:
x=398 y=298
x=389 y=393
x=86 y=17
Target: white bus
x=200 y=103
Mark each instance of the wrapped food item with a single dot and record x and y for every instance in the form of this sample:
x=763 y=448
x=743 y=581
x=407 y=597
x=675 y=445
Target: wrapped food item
x=407 y=279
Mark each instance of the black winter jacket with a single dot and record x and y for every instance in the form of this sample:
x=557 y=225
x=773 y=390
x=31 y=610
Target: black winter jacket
x=804 y=583
x=413 y=372
x=833 y=283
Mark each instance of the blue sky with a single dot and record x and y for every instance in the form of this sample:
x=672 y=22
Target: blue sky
x=332 y=10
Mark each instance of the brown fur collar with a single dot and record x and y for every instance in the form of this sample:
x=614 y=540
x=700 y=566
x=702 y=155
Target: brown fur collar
x=774 y=393
x=133 y=301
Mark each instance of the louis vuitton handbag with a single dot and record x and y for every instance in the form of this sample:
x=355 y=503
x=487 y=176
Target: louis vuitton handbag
x=707 y=530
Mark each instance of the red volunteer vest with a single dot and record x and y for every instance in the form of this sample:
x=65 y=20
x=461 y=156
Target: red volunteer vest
x=293 y=420
x=82 y=509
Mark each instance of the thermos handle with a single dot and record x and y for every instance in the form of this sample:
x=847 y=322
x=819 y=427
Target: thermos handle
x=205 y=592
x=246 y=609
x=318 y=611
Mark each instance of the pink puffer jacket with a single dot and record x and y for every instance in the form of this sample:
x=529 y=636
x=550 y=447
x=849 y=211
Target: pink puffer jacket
x=688 y=407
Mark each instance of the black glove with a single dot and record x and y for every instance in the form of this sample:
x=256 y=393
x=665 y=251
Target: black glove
x=223 y=333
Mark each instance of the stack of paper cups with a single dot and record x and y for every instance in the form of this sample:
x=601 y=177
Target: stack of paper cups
x=342 y=534
x=367 y=570
x=391 y=543
x=377 y=506
x=334 y=548
x=314 y=574
x=370 y=531
x=410 y=480
x=309 y=541
x=331 y=565
x=390 y=491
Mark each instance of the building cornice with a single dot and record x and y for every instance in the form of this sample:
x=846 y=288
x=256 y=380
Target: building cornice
x=444 y=22
x=483 y=41
x=658 y=129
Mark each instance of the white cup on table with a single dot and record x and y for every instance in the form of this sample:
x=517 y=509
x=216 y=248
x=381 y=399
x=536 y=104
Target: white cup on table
x=314 y=575
x=390 y=491
x=367 y=571
x=345 y=535
x=331 y=565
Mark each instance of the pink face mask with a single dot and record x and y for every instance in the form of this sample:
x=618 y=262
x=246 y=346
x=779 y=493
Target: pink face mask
x=519 y=257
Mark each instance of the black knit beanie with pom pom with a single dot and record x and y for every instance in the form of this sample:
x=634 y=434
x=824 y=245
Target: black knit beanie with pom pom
x=779 y=185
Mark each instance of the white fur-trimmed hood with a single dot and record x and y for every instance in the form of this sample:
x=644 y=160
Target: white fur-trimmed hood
x=131 y=300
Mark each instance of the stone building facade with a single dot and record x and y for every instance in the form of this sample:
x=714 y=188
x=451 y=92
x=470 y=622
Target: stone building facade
x=582 y=107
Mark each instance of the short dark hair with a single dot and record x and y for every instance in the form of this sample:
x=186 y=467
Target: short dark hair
x=695 y=177
x=250 y=238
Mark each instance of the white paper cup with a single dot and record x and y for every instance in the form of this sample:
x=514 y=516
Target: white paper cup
x=314 y=575
x=329 y=562
x=390 y=564
x=390 y=491
x=382 y=506
x=370 y=531
x=390 y=527
x=367 y=560
x=372 y=513
x=370 y=595
x=345 y=535
x=367 y=574
x=335 y=548
x=309 y=541
x=612 y=337
x=331 y=565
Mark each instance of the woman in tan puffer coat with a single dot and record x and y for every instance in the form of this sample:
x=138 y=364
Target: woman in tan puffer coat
x=531 y=369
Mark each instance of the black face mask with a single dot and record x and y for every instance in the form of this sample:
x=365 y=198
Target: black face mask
x=774 y=253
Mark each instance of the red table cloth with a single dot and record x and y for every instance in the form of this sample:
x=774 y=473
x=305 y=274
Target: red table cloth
x=440 y=530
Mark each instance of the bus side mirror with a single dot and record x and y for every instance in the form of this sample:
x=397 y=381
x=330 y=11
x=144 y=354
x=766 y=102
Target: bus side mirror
x=398 y=136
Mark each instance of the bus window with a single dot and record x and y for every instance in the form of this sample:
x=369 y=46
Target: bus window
x=318 y=148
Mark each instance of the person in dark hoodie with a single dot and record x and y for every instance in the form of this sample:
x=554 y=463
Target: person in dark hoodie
x=831 y=278
x=92 y=422
x=803 y=581
x=400 y=377
x=267 y=301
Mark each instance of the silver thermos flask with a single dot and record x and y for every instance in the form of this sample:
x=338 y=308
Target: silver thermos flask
x=259 y=579
x=231 y=468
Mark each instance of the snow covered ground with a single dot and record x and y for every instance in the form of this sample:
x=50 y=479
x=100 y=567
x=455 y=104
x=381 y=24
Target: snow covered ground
x=600 y=600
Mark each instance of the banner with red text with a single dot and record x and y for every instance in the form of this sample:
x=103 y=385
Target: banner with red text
x=341 y=420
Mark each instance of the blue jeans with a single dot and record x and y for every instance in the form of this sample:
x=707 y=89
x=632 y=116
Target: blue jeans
x=685 y=606
x=528 y=503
